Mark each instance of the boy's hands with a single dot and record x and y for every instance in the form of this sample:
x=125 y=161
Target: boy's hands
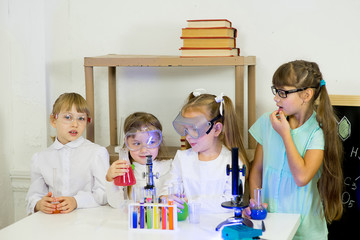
x=66 y=204
x=45 y=204
x=118 y=168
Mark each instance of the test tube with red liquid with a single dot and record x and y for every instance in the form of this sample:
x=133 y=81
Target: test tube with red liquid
x=55 y=190
x=128 y=178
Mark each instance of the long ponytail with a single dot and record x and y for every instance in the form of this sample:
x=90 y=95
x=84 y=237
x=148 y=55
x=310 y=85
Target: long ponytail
x=331 y=182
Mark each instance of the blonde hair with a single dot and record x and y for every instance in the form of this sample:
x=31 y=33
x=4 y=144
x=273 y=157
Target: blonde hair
x=65 y=102
x=303 y=74
x=230 y=135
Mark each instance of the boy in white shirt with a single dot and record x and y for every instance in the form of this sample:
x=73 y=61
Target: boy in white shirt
x=72 y=167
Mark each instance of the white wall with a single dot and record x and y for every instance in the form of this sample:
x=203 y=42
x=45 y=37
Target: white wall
x=43 y=45
x=23 y=101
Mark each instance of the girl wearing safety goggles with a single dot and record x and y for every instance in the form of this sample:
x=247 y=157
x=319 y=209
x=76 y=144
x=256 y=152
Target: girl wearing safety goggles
x=210 y=126
x=143 y=137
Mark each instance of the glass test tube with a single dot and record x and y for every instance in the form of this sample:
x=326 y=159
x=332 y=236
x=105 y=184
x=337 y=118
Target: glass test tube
x=171 y=211
x=163 y=214
x=55 y=191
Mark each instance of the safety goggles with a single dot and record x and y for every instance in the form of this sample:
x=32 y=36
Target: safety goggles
x=196 y=127
x=68 y=118
x=137 y=139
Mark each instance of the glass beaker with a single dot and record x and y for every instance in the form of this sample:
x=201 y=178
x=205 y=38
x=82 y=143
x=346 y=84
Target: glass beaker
x=55 y=190
x=180 y=193
x=128 y=178
x=258 y=212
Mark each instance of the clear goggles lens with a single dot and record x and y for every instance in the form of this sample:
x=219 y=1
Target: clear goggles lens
x=196 y=127
x=69 y=118
x=136 y=139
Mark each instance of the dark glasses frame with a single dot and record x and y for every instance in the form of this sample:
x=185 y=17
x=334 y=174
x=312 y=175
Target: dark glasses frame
x=284 y=93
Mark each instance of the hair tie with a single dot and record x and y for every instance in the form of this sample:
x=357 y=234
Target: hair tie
x=198 y=92
x=220 y=99
x=322 y=83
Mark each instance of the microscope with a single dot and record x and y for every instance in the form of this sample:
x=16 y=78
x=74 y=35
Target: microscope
x=150 y=190
x=237 y=192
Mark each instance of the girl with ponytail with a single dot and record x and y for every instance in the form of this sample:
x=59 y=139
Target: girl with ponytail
x=298 y=158
x=211 y=128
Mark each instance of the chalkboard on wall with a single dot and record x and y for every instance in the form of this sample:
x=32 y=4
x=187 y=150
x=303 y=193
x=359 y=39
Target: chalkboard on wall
x=347 y=108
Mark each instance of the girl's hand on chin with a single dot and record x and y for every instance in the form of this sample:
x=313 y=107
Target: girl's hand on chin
x=279 y=122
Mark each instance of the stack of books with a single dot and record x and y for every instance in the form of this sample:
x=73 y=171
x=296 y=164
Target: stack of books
x=209 y=38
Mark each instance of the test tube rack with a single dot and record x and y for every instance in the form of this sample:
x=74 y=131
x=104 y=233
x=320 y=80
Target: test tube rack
x=152 y=216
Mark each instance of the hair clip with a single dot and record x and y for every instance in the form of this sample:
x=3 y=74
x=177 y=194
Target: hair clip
x=322 y=83
x=198 y=92
x=220 y=99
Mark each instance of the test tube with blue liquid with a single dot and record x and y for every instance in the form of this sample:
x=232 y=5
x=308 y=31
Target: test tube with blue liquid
x=258 y=212
x=135 y=194
x=142 y=208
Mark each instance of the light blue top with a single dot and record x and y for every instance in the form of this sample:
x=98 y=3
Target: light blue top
x=279 y=188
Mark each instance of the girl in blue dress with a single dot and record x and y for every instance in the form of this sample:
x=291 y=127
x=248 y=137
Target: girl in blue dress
x=298 y=157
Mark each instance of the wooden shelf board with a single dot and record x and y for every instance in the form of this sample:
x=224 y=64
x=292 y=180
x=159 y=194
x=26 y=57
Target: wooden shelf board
x=114 y=60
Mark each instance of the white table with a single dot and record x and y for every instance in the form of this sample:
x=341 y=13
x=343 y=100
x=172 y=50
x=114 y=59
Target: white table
x=109 y=223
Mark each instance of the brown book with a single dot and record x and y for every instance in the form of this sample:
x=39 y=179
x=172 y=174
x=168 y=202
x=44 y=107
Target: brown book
x=209 y=42
x=209 y=52
x=209 y=23
x=209 y=32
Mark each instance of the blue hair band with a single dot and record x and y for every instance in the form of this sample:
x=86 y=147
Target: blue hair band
x=322 y=83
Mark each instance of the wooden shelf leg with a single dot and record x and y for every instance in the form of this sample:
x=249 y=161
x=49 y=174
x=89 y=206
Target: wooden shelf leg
x=239 y=97
x=251 y=104
x=112 y=106
x=89 y=89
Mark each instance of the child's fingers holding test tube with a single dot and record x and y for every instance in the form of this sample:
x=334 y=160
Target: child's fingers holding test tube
x=179 y=202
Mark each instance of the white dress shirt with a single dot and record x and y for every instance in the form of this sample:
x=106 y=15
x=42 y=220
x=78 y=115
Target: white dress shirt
x=81 y=168
x=116 y=195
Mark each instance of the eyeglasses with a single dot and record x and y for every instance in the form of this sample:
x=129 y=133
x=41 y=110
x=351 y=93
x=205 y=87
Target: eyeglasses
x=284 y=93
x=68 y=118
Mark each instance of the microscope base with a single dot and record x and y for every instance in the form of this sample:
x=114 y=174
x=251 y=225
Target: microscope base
x=235 y=221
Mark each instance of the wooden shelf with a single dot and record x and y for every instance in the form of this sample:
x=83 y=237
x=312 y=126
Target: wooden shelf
x=113 y=60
